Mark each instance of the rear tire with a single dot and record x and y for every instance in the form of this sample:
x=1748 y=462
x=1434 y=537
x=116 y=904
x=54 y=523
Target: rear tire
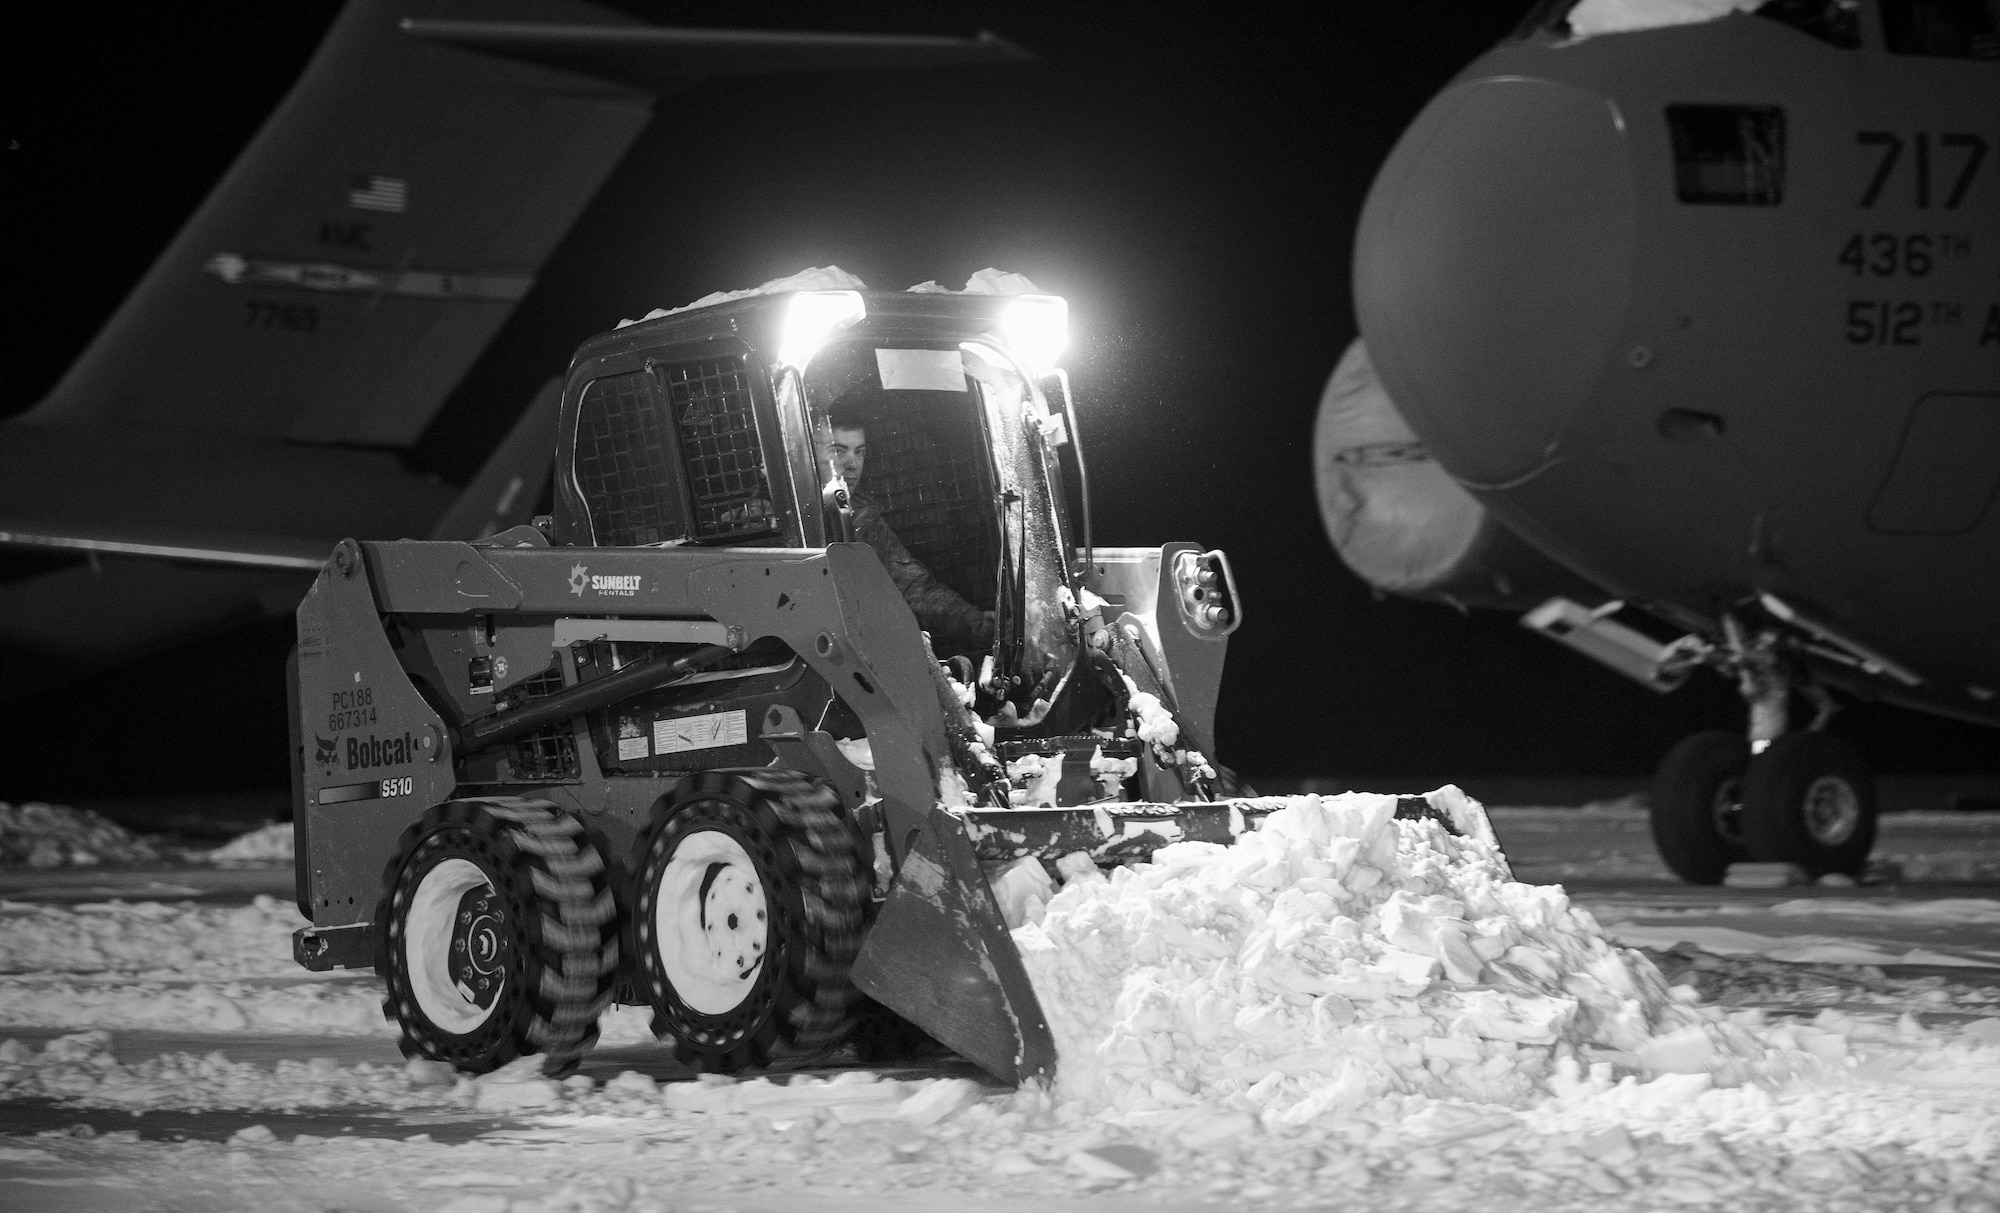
x=1696 y=816
x=747 y=908
x=496 y=935
x=1809 y=799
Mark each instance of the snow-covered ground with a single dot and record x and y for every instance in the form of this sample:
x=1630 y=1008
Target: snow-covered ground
x=1478 y=1041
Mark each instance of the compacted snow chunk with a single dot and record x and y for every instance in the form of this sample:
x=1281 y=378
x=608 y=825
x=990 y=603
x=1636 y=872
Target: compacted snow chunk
x=1337 y=956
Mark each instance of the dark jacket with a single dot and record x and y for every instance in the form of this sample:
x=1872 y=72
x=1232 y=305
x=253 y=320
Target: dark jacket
x=955 y=625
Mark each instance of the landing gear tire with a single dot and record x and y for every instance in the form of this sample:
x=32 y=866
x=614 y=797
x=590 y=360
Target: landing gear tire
x=496 y=935
x=1696 y=818
x=747 y=910
x=1809 y=799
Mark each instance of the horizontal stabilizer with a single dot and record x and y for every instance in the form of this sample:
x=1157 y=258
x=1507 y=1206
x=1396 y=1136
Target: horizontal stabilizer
x=202 y=498
x=661 y=59
x=168 y=543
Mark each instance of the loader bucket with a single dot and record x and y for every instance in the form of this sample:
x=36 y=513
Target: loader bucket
x=940 y=956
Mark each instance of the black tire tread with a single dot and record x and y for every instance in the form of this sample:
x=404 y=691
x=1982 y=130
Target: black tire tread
x=1774 y=787
x=814 y=849
x=568 y=943
x=1680 y=817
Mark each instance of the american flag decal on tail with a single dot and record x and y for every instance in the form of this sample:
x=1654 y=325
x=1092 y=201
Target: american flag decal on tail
x=389 y=194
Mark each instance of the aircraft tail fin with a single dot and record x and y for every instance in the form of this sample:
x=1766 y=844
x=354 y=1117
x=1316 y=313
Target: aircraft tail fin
x=504 y=492
x=367 y=244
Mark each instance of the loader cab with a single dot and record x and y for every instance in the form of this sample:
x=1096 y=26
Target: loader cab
x=963 y=463
x=703 y=428
x=927 y=468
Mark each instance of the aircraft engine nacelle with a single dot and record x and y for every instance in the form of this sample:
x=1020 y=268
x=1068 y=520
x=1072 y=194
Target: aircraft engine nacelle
x=1401 y=522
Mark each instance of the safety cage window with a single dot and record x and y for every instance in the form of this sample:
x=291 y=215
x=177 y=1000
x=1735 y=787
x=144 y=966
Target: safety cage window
x=927 y=468
x=672 y=454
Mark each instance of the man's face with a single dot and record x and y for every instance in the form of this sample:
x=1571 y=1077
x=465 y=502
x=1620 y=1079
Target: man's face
x=846 y=451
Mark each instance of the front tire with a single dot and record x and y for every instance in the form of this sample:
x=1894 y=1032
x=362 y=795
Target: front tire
x=747 y=909
x=1809 y=799
x=1695 y=817
x=497 y=935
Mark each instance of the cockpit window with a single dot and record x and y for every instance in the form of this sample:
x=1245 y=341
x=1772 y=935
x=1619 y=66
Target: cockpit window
x=1948 y=29
x=1835 y=22
x=1550 y=15
x=1729 y=155
x=1831 y=21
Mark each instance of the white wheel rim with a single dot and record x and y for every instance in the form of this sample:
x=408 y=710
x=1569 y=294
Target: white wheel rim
x=1832 y=810
x=427 y=935
x=711 y=922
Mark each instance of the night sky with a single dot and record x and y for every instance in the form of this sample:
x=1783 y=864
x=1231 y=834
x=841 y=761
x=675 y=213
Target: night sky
x=1187 y=175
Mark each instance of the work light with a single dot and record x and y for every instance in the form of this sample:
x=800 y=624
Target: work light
x=1036 y=329
x=811 y=319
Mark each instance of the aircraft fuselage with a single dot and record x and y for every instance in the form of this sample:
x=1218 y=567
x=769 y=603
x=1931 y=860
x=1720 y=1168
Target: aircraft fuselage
x=1712 y=313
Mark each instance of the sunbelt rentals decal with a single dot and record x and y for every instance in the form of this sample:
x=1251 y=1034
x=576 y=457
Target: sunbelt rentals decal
x=616 y=585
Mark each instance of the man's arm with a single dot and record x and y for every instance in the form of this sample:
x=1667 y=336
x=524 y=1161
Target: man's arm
x=939 y=608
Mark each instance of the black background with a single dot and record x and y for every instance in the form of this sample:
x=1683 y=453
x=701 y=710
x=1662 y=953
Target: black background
x=1188 y=175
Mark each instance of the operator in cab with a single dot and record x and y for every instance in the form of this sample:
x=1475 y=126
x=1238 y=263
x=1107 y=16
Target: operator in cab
x=956 y=626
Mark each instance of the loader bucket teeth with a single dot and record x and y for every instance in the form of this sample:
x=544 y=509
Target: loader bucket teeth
x=940 y=956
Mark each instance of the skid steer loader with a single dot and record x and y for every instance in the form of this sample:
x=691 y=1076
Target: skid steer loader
x=683 y=743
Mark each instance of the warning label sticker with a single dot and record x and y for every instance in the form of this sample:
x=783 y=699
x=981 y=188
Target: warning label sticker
x=706 y=732
x=630 y=748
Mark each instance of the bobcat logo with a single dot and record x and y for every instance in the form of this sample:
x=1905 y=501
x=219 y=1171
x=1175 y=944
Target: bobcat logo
x=325 y=754
x=577 y=580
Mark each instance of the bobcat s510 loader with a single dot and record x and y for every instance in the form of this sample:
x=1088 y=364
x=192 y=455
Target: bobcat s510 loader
x=684 y=743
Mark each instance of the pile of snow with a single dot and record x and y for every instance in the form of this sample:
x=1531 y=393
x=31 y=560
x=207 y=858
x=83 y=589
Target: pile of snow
x=83 y=1068
x=185 y=940
x=1913 y=1116
x=54 y=836
x=270 y=845
x=1819 y=931
x=828 y=278
x=172 y=967
x=1876 y=1084
x=187 y=967
x=344 y=1005
x=988 y=281
x=1338 y=957
x=1342 y=1006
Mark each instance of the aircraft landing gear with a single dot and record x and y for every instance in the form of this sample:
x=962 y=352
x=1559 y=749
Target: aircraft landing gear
x=1809 y=799
x=1776 y=797
x=1698 y=806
